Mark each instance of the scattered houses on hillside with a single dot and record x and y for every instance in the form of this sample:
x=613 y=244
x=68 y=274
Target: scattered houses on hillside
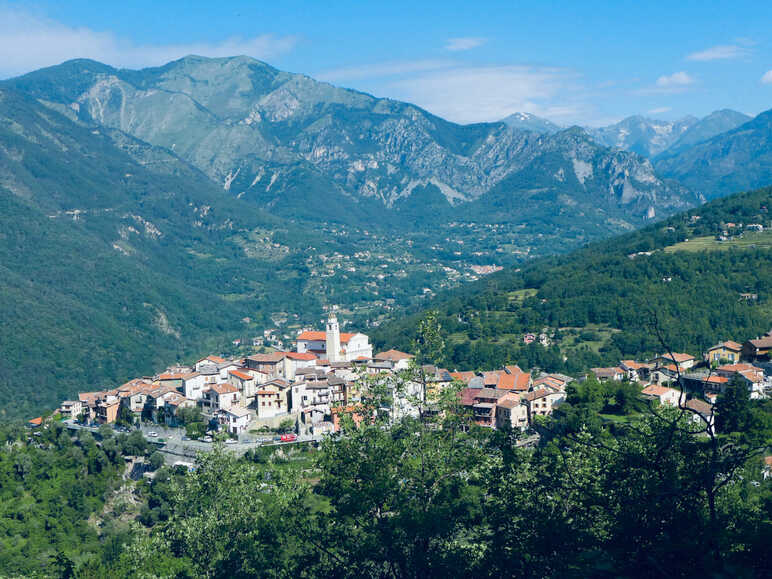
x=321 y=382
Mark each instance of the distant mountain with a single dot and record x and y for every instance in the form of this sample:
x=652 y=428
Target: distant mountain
x=647 y=137
x=652 y=138
x=714 y=124
x=304 y=148
x=737 y=160
x=567 y=176
x=529 y=122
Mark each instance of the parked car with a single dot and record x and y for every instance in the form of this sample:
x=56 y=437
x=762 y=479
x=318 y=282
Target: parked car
x=207 y=439
x=152 y=434
x=289 y=437
x=231 y=441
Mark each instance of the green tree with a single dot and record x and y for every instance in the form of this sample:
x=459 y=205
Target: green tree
x=733 y=408
x=156 y=460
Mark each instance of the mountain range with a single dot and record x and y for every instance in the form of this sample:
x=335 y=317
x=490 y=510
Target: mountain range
x=736 y=160
x=295 y=145
x=642 y=135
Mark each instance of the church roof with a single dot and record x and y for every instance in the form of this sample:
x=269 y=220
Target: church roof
x=313 y=336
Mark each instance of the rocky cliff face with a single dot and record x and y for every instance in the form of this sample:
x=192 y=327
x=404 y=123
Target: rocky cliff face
x=265 y=134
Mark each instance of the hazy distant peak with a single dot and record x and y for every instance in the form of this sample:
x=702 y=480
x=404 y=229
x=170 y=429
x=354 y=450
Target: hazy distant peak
x=530 y=122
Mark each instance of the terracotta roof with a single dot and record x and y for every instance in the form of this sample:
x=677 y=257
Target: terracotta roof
x=215 y=359
x=549 y=382
x=677 y=357
x=464 y=377
x=729 y=345
x=224 y=388
x=161 y=390
x=35 y=421
x=762 y=343
x=393 y=355
x=90 y=397
x=467 y=396
x=489 y=393
x=513 y=369
x=174 y=399
x=738 y=368
x=241 y=375
x=171 y=376
x=266 y=392
x=656 y=390
x=490 y=378
x=506 y=382
x=308 y=356
x=509 y=401
x=632 y=364
x=699 y=406
x=314 y=336
x=522 y=382
x=272 y=358
x=752 y=376
x=530 y=396
x=717 y=380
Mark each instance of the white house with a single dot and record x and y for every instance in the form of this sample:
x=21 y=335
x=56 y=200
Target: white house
x=193 y=385
x=208 y=361
x=511 y=412
x=235 y=420
x=245 y=382
x=663 y=394
x=220 y=397
x=271 y=399
x=399 y=360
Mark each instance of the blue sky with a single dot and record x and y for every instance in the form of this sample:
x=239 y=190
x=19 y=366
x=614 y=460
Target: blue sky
x=584 y=62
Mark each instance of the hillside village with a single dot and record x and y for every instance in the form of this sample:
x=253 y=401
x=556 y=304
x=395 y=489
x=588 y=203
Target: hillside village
x=313 y=386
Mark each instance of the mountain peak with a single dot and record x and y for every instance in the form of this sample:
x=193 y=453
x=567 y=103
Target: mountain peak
x=530 y=122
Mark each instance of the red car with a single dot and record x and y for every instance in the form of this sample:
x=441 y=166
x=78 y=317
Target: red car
x=289 y=437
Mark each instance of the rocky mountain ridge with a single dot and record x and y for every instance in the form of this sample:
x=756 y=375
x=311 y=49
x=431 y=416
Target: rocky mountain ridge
x=271 y=136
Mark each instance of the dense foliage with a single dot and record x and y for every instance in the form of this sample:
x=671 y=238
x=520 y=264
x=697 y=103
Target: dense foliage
x=655 y=497
x=53 y=491
x=693 y=296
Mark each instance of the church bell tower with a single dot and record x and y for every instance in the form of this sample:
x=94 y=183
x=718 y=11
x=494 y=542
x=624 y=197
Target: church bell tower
x=332 y=343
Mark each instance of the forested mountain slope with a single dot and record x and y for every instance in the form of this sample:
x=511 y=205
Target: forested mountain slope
x=115 y=261
x=608 y=293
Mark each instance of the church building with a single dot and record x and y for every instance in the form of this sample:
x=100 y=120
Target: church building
x=334 y=345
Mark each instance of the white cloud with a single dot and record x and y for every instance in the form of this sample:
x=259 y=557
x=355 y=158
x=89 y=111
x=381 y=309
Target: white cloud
x=669 y=84
x=677 y=79
x=767 y=77
x=487 y=93
x=720 y=52
x=462 y=93
x=29 y=41
x=659 y=110
x=464 y=43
